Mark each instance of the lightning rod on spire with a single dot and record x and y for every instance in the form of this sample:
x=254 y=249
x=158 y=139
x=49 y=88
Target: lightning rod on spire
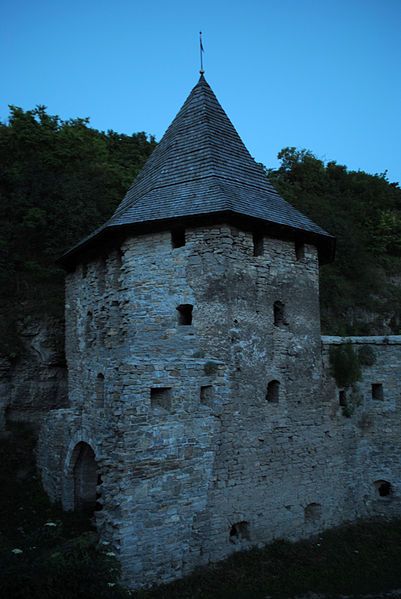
x=201 y=53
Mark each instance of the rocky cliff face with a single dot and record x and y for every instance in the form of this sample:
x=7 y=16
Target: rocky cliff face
x=36 y=381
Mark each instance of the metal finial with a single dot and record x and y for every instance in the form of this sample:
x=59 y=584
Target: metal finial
x=201 y=53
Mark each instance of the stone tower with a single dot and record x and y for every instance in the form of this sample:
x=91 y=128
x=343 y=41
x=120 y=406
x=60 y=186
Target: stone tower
x=194 y=354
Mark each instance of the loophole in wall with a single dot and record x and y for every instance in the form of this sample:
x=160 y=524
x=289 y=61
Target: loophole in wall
x=313 y=512
x=239 y=532
x=383 y=488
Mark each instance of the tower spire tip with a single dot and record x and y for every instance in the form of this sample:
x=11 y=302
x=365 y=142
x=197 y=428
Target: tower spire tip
x=202 y=71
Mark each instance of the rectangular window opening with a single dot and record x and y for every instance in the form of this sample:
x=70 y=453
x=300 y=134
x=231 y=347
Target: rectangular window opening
x=160 y=397
x=342 y=398
x=185 y=314
x=206 y=394
x=377 y=391
x=279 y=314
x=257 y=244
x=239 y=532
x=273 y=392
x=178 y=238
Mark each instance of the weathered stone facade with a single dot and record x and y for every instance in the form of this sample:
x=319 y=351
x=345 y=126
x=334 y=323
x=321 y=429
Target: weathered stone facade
x=372 y=430
x=196 y=459
x=202 y=415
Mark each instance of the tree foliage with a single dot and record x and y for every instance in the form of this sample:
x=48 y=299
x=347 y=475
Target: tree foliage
x=58 y=181
x=360 y=291
x=345 y=365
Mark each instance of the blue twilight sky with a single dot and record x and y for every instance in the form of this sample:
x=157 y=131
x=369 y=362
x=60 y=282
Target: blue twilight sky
x=318 y=74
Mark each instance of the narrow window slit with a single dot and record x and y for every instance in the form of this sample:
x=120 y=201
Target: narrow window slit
x=99 y=503
x=342 y=398
x=299 y=250
x=279 y=314
x=257 y=244
x=273 y=392
x=377 y=391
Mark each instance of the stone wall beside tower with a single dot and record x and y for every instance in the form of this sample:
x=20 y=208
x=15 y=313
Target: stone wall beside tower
x=196 y=383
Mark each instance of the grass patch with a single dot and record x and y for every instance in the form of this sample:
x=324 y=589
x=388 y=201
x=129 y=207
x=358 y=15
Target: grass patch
x=60 y=556
x=45 y=553
x=353 y=560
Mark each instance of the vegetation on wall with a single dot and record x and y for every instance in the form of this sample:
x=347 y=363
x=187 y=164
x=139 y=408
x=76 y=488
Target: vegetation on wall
x=345 y=365
x=366 y=355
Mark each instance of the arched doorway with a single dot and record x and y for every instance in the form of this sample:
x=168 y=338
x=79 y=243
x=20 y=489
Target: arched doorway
x=86 y=479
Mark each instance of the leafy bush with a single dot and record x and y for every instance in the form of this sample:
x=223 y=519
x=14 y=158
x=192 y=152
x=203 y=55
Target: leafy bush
x=353 y=400
x=366 y=355
x=345 y=366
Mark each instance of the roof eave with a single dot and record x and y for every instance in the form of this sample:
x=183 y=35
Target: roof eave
x=112 y=236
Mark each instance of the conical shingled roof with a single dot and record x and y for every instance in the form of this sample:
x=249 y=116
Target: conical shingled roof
x=202 y=168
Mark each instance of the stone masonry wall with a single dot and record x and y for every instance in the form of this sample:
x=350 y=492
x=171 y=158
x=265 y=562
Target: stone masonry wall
x=374 y=423
x=213 y=436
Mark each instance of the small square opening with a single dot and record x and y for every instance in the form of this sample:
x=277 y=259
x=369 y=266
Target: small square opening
x=178 y=238
x=160 y=397
x=185 y=314
x=313 y=512
x=377 y=391
x=206 y=394
x=239 y=532
x=383 y=488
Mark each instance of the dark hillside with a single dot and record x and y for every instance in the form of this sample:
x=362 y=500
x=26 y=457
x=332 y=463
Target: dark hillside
x=361 y=291
x=58 y=181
